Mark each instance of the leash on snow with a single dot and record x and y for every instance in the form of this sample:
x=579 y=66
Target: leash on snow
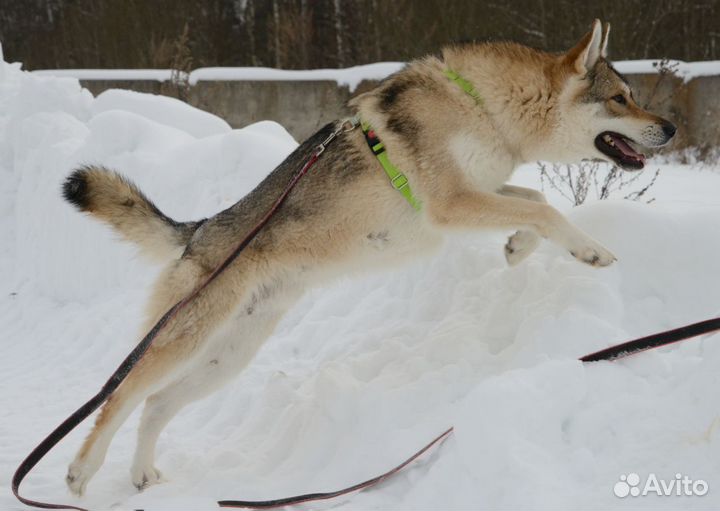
x=654 y=341
x=311 y=497
x=612 y=353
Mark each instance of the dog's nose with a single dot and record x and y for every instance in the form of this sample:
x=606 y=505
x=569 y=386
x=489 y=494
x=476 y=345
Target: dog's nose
x=669 y=129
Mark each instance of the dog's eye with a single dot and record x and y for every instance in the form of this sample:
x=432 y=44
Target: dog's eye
x=619 y=99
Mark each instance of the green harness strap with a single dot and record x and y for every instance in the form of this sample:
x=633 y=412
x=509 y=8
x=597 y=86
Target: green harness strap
x=464 y=85
x=398 y=180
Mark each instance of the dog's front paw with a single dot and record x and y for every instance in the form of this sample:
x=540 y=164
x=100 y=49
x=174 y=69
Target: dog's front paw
x=594 y=254
x=520 y=245
x=78 y=475
x=142 y=477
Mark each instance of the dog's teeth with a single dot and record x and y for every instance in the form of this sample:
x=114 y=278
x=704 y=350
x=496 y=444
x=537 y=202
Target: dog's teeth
x=608 y=139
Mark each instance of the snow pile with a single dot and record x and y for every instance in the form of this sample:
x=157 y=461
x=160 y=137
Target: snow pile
x=165 y=110
x=362 y=373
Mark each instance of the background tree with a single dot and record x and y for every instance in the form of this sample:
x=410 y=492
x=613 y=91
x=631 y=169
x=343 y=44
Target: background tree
x=335 y=33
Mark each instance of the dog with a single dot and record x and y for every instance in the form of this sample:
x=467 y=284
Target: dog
x=456 y=125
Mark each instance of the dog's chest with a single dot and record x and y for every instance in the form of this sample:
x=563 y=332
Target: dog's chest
x=486 y=166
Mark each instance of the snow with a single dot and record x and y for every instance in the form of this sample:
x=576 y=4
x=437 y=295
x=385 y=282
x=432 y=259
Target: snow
x=686 y=70
x=155 y=75
x=363 y=372
x=350 y=76
x=162 y=109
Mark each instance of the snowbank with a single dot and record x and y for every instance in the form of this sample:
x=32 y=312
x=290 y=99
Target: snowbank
x=363 y=372
x=165 y=110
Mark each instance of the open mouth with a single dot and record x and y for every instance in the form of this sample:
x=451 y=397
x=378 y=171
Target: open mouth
x=616 y=147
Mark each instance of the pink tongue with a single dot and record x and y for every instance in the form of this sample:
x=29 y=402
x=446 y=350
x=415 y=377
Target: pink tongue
x=627 y=150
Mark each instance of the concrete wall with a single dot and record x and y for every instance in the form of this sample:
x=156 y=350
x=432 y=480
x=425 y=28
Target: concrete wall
x=702 y=108
x=301 y=107
x=98 y=86
x=304 y=106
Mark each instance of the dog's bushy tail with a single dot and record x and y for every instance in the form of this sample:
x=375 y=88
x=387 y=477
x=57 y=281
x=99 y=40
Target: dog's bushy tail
x=115 y=200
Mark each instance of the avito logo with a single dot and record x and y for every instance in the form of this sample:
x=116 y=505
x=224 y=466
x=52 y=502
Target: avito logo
x=632 y=485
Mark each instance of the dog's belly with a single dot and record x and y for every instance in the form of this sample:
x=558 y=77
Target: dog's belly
x=383 y=246
x=398 y=241
x=392 y=245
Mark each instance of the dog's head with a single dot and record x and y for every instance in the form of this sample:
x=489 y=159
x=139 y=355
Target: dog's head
x=599 y=115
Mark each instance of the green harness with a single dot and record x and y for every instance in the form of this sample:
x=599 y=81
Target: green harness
x=397 y=179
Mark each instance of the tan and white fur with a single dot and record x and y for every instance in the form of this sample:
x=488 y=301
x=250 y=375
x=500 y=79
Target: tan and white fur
x=344 y=215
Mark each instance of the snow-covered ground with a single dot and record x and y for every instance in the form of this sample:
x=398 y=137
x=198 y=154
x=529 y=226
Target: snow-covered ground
x=362 y=373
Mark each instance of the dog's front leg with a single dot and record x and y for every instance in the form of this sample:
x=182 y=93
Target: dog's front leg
x=465 y=208
x=524 y=242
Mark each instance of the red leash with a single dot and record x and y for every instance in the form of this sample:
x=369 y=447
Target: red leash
x=653 y=341
x=310 y=497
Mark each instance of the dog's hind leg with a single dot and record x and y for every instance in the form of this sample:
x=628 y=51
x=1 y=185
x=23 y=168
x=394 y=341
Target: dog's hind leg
x=524 y=242
x=142 y=380
x=230 y=351
x=172 y=351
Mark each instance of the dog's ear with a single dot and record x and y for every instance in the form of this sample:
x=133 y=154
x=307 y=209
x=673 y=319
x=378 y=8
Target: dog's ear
x=583 y=56
x=604 y=43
